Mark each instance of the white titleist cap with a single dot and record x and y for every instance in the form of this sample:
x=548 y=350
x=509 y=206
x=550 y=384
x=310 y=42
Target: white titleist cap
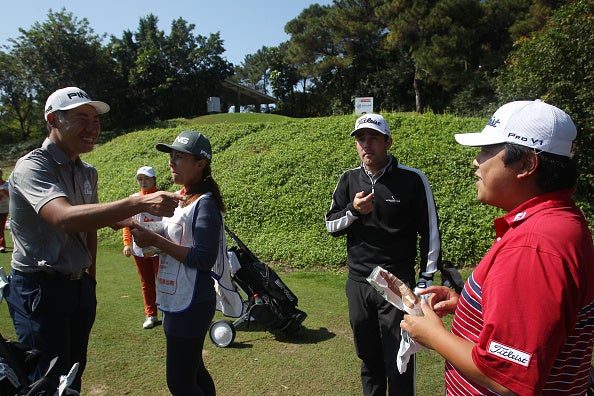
x=534 y=124
x=372 y=121
x=146 y=170
x=69 y=98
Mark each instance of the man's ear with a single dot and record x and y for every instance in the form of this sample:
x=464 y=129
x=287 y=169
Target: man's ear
x=529 y=164
x=51 y=119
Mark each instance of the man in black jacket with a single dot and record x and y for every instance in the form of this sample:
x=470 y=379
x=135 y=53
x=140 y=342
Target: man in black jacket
x=386 y=210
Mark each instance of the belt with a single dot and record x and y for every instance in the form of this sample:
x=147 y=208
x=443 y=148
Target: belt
x=51 y=275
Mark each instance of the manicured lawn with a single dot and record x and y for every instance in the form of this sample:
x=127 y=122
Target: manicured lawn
x=318 y=360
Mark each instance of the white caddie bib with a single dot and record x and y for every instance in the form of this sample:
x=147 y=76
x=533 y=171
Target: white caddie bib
x=175 y=281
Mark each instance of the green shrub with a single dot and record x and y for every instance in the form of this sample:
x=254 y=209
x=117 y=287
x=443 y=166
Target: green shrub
x=277 y=176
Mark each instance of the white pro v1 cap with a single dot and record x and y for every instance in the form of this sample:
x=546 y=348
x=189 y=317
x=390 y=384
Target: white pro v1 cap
x=533 y=124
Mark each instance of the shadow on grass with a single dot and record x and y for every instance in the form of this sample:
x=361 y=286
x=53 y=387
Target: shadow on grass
x=306 y=336
x=301 y=336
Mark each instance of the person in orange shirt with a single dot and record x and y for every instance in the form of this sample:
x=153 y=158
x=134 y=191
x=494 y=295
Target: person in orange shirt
x=3 y=211
x=147 y=259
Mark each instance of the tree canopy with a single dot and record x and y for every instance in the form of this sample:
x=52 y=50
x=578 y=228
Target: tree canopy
x=144 y=75
x=465 y=57
x=555 y=64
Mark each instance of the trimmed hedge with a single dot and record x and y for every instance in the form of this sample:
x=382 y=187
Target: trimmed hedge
x=277 y=176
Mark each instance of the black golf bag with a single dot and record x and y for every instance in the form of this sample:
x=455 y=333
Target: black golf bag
x=18 y=360
x=450 y=276
x=271 y=303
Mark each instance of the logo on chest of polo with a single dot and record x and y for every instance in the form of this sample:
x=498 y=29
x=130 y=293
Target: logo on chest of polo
x=87 y=188
x=508 y=353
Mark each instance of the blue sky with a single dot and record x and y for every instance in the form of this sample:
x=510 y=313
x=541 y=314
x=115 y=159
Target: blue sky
x=244 y=25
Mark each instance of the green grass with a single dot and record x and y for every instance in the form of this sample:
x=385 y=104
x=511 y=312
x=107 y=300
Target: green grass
x=125 y=359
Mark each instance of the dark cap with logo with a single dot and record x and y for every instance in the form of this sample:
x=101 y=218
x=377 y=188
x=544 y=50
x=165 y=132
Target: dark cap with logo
x=190 y=142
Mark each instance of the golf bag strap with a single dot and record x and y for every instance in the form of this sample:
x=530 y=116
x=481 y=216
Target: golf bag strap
x=239 y=243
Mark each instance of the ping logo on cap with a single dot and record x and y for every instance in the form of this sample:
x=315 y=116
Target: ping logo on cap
x=79 y=94
x=182 y=139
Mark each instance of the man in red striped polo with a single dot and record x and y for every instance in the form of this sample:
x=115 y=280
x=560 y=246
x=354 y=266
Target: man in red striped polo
x=524 y=322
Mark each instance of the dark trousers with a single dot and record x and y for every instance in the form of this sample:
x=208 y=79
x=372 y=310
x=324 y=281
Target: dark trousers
x=376 y=331
x=185 y=333
x=3 y=218
x=54 y=315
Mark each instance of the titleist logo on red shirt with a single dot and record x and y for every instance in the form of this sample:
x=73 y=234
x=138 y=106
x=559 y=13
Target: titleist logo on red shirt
x=508 y=353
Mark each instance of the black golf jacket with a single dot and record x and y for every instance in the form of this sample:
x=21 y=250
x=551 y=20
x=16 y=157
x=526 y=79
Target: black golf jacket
x=403 y=216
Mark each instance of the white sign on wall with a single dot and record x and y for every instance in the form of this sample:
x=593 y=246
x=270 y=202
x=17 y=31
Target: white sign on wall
x=213 y=105
x=364 y=105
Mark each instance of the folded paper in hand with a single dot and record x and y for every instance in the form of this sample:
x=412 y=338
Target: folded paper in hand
x=155 y=226
x=398 y=294
x=395 y=291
